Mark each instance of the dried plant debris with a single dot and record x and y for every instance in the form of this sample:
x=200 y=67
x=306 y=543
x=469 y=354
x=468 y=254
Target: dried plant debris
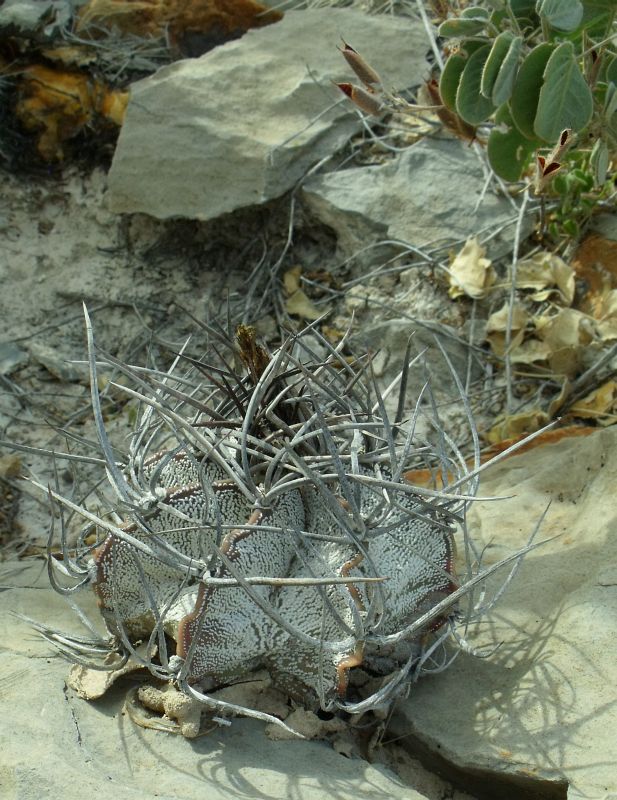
x=69 y=68
x=192 y=27
x=471 y=273
x=266 y=521
x=58 y=105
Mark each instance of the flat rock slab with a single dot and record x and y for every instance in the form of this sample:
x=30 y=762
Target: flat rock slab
x=537 y=719
x=243 y=123
x=425 y=196
x=58 y=746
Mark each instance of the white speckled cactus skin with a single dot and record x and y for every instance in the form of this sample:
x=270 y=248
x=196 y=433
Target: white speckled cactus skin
x=292 y=484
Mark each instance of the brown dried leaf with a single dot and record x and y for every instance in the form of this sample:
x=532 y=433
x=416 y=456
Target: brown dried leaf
x=471 y=273
x=71 y=55
x=297 y=303
x=548 y=437
x=516 y=425
x=497 y=326
x=546 y=273
x=601 y=405
x=595 y=264
x=530 y=352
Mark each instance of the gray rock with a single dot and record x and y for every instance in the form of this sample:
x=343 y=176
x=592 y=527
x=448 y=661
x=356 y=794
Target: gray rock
x=35 y=16
x=538 y=717
x=606 y=225
x=243 y=123
x=390 y=338
x=56 y=745
x=55 y=363
x=425 y=196
x=12 y=358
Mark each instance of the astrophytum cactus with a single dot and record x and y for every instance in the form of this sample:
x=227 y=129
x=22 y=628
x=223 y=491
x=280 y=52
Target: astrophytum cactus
x=266 y=518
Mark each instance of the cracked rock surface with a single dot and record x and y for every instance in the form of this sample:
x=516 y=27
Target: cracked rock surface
x=537 y=718
x=262 y=109
x=62 y=746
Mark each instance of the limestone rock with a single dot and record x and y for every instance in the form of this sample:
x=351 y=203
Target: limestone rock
x=57 y=745
x=243 y=123
x=425 y=196
x=538 y=717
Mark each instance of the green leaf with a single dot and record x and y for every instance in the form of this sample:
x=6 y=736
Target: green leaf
x=610 y=102
x=474 y=12
x=563 y=15
x=471 y=105
x=450 y=79
x=504 y=85
x=597 y=17
x=524 y=100
x=499 y=50
x=462 y=27
x=525 y=12
x=565 y=98
x=609 y=72
x=599 y=161
x=508 y=150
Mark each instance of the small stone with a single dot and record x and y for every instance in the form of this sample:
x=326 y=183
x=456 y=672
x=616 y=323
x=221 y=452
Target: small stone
x=12 y=358
x=54 y=363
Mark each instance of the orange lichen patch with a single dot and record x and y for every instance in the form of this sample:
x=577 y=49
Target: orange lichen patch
x=548 y=437
x=595 y=264
x=60 y=104
x=176 y=17
x=426 y=478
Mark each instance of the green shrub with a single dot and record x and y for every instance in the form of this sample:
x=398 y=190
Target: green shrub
x=545 y=73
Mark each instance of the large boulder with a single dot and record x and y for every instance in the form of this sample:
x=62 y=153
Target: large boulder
x=58 y=745
x=243 y=123
x=538 y=717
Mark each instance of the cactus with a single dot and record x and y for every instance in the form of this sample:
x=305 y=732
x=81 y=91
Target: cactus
x=268 y=520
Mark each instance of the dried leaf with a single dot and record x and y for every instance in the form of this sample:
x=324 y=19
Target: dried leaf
x=297 y=303
x=71 y=55
x=601 y=405
x=497 y=326
x=548 y=272
x=548 y=437
x=530 y=352
x=470 y=272
x=517 y=424
x=291 y=280
x=567 y=328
